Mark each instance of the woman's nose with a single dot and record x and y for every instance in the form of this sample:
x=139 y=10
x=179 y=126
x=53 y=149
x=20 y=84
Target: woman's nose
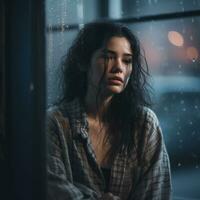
x=117 y=65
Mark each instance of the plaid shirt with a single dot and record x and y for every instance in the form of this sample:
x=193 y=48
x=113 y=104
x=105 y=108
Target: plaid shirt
x=73 y=172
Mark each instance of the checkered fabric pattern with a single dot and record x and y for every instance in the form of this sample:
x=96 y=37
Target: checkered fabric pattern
x=73 y=172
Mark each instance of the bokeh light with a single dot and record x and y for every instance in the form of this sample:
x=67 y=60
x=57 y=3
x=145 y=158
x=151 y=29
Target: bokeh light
x=175 y=38
x=192 y=53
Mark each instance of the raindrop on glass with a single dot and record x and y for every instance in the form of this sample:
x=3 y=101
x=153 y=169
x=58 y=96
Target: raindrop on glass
x=192 y=20
x=184 y=109
x=31 y=87
x=165 y=109
x=193 y=60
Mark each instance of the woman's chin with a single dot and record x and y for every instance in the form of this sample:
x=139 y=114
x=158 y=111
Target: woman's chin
x=114 y=89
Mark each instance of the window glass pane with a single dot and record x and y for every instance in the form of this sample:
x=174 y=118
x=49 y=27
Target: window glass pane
x=63 y=20
x=172 y=49
x=65 y=12
x=172 y=46
x=56 y=47
x=153 y=7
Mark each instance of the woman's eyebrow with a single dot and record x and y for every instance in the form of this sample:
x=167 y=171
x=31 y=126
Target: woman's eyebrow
x=113 y=52
x=108 y=51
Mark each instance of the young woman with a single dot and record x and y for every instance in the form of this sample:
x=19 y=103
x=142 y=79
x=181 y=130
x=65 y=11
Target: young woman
x=103 y=140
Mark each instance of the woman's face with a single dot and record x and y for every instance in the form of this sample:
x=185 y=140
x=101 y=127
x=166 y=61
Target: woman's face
x=111 y=66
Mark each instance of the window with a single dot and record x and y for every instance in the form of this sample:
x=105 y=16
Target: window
x=169 y=33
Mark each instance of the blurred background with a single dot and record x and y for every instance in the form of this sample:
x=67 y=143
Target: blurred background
x=169 y=33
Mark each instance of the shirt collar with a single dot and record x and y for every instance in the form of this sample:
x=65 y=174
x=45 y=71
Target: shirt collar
x=78 y=118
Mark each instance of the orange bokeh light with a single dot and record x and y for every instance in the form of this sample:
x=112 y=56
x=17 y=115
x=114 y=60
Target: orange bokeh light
x=175 y=38
x=192 y=53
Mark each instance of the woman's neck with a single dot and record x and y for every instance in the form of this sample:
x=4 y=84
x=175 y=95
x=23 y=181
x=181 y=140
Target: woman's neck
x=96 y=106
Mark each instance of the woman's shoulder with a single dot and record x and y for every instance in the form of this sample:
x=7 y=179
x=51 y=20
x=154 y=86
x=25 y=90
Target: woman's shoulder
x=57 y=125
x=147 y=115
x=148 y=133
x=148 y=125
x=57 y=114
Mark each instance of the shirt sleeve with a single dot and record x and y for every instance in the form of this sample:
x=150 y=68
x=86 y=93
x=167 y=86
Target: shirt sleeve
x=59 y=175
x=155 y=179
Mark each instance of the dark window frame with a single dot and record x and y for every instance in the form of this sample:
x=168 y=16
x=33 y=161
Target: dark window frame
x=23 y=33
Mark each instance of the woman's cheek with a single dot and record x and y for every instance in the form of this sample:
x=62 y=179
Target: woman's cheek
x=128 y=77
x=126 y=81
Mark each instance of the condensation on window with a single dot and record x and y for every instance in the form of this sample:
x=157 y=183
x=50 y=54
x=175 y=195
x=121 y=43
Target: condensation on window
x=63 y=20
x=172 y=49
x=156 y=7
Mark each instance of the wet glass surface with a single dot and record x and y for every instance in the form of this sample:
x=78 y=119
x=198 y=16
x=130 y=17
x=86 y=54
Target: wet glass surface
x=172 y=48
x=155 y=7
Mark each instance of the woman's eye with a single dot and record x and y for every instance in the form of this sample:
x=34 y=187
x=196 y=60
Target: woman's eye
x=127 y=61
x=108 y=57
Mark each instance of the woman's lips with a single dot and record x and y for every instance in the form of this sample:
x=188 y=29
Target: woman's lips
x=115 y=81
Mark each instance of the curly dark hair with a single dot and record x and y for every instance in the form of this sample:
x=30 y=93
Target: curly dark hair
x=123 y=112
